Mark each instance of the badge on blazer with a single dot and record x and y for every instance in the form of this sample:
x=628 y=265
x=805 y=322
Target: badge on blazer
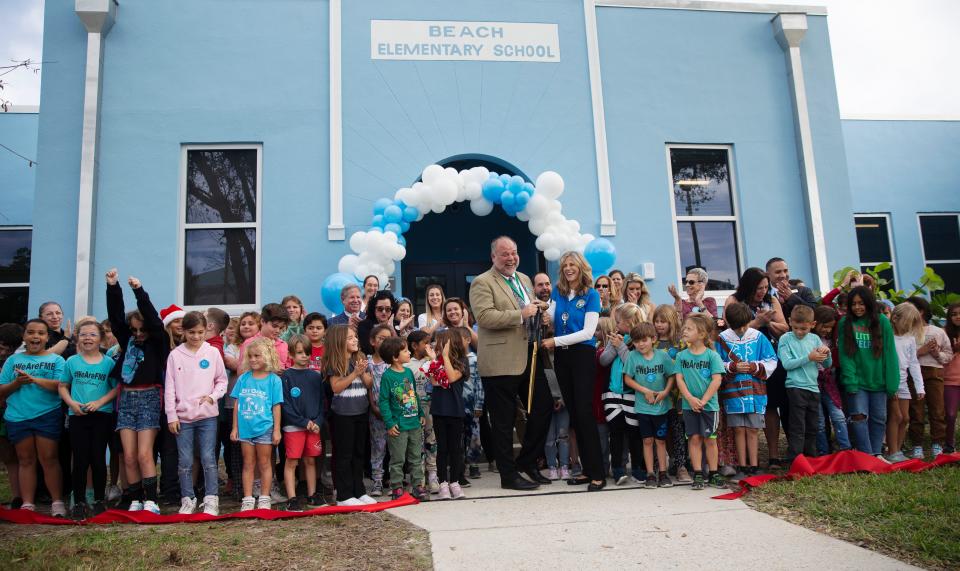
x=581 y=303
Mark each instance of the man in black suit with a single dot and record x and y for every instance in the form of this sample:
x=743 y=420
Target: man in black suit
x=779 y=275
x=352 y=301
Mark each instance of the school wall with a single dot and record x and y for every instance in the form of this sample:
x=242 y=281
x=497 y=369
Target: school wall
x=903 y=168
x=18 y=131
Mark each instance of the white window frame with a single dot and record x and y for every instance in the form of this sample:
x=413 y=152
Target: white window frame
x=923 y=250
x=182 y=226
x=718 y=295
x=893 y=253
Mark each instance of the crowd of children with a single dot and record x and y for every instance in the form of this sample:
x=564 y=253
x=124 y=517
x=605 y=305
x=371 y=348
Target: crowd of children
x=681 y=399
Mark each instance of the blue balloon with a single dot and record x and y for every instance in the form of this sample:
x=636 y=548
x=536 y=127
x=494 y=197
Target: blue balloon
x=393 y=227
x=529 y=188
x=494 y=175
x=510 y=209
x=330 y=290
x=507 y=200
x=411 y=213
x=404 y=225
x=505 y=179
x=381 y=205
x=492 y=189
x=521 y=199
x=378 y=221
x=515 y=185
x=600 y=254
x=393 y=214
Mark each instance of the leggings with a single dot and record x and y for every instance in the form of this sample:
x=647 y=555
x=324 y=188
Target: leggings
x=620 y=431
x=449 y=432
x=89 y=435
x=951 y=402
x=350 y=437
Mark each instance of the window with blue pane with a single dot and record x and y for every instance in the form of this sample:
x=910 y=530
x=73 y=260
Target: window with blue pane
x=15 y=247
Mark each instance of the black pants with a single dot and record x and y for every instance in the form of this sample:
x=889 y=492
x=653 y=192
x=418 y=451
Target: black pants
x=777 y=396
x=576 y=367
x=501 y=394
x=620 y=433
x=804 y=417
x=89 y=435
x=486 y=438
x=449 y=433
x=169 y=459
x=350 y=436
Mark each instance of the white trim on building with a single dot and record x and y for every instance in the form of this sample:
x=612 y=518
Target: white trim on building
x=608 y=226
x=712 y=6
x=336 y=230
x=183 y=226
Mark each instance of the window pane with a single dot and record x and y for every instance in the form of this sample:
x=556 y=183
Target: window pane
x=713 y=247
x=885 y=274
x=220 y=267
x=701 y=182
x=873 y=239
x=941 y=237
x=221 y=186
x=950 y=274
x=13 y=304
x=15 y=256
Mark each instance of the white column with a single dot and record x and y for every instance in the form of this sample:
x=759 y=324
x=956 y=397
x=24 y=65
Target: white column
x=608 y=227
x=98 y=17
x=790 y=30
x=335 y=230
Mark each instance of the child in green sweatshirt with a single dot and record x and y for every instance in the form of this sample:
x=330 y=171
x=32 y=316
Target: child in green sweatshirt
x=869 y=368
x=402 y=417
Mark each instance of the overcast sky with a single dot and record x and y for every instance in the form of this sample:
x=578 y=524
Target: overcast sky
x=892 y=58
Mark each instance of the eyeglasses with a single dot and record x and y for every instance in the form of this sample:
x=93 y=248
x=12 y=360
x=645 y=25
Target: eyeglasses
x=692 y=282
x=602 y=286
x=384 y=310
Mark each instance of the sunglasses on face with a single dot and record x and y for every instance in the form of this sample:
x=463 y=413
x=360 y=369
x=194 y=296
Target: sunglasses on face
x=602 y=286
x=384 y=309
x=692 y=282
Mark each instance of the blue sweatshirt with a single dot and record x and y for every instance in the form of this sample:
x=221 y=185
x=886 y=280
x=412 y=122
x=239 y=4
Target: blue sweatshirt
x=302 y=399
x=795 y=356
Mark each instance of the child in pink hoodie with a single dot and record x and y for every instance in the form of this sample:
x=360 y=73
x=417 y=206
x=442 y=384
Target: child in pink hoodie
x=196 y=380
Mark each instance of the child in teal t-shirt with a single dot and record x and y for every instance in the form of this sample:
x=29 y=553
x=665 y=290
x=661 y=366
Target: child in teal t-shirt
x=699 y=371
x=29 y=382
x=650 y=372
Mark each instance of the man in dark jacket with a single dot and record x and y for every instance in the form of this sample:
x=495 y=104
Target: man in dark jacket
x=779 y=275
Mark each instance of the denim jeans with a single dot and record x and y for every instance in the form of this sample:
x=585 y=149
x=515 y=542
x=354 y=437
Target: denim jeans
x=558 y=439
x=867 y=432
x=837 y=420
x=203 y=433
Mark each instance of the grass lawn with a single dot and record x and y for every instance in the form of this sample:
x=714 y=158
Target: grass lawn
x=912 y=517
x=355 y=541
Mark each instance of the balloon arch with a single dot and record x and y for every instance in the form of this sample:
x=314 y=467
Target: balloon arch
x=377 y=250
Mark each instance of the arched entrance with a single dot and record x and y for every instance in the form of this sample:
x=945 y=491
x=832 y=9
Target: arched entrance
x=452 y=247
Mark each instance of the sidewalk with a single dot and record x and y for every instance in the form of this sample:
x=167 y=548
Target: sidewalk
x=562 y=527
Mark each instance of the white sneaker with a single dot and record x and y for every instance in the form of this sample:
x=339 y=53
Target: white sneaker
x=211 y=505
x=623 y=480
x=187 y=505
x=936 y=450
x=151 y=507
x=456 y=492
x=564 y=473
x=917 y=453
x=275 y=495
x=247 y=504
x=444 y=493
x=263 y=503
x=552 y=474
x=58 y=509
x=28 y=507
x=365 y=499
x=113 y=493
x=135 y=506
x=433 y=483
x=351 y=502
x=727 y=470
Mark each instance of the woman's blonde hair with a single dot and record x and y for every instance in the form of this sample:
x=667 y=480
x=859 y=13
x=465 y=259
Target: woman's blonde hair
x=634 y=277
x=669 y=315
x=906 y=320
x=604 y=327
x=232 y=332
x=269 y=354
x=586 y=274
x=336 y=358
x=630 y=313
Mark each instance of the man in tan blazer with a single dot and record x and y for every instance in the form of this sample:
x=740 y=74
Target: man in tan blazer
x=503 y=303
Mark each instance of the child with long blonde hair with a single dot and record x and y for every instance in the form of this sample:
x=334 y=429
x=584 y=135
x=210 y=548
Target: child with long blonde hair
x=256 y=418
x=666 y=322
x=908 y=334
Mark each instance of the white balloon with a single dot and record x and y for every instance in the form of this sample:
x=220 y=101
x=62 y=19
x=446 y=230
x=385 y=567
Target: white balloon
x=358 y=242
x=522 y=216
x=554 y=205
x=480 y=174
x=348 y=264
x=537 y=206
x=444 y=192
x=537 y=225
x=481 y=206
x=556 y=219
x=438 y=207
x=431 y=174
x=553 y=254
x=573 y=226
x=550 y=184
x=472 y=190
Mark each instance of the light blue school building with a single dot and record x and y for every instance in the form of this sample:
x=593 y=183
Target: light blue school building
x=224 y=153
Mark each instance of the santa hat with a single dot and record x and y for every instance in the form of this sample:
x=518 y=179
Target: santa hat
x=170 y=313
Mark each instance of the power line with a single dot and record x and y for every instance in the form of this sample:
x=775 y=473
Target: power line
x=31 y=162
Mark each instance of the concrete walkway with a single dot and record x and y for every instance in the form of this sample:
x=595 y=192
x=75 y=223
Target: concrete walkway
x=562 y=527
